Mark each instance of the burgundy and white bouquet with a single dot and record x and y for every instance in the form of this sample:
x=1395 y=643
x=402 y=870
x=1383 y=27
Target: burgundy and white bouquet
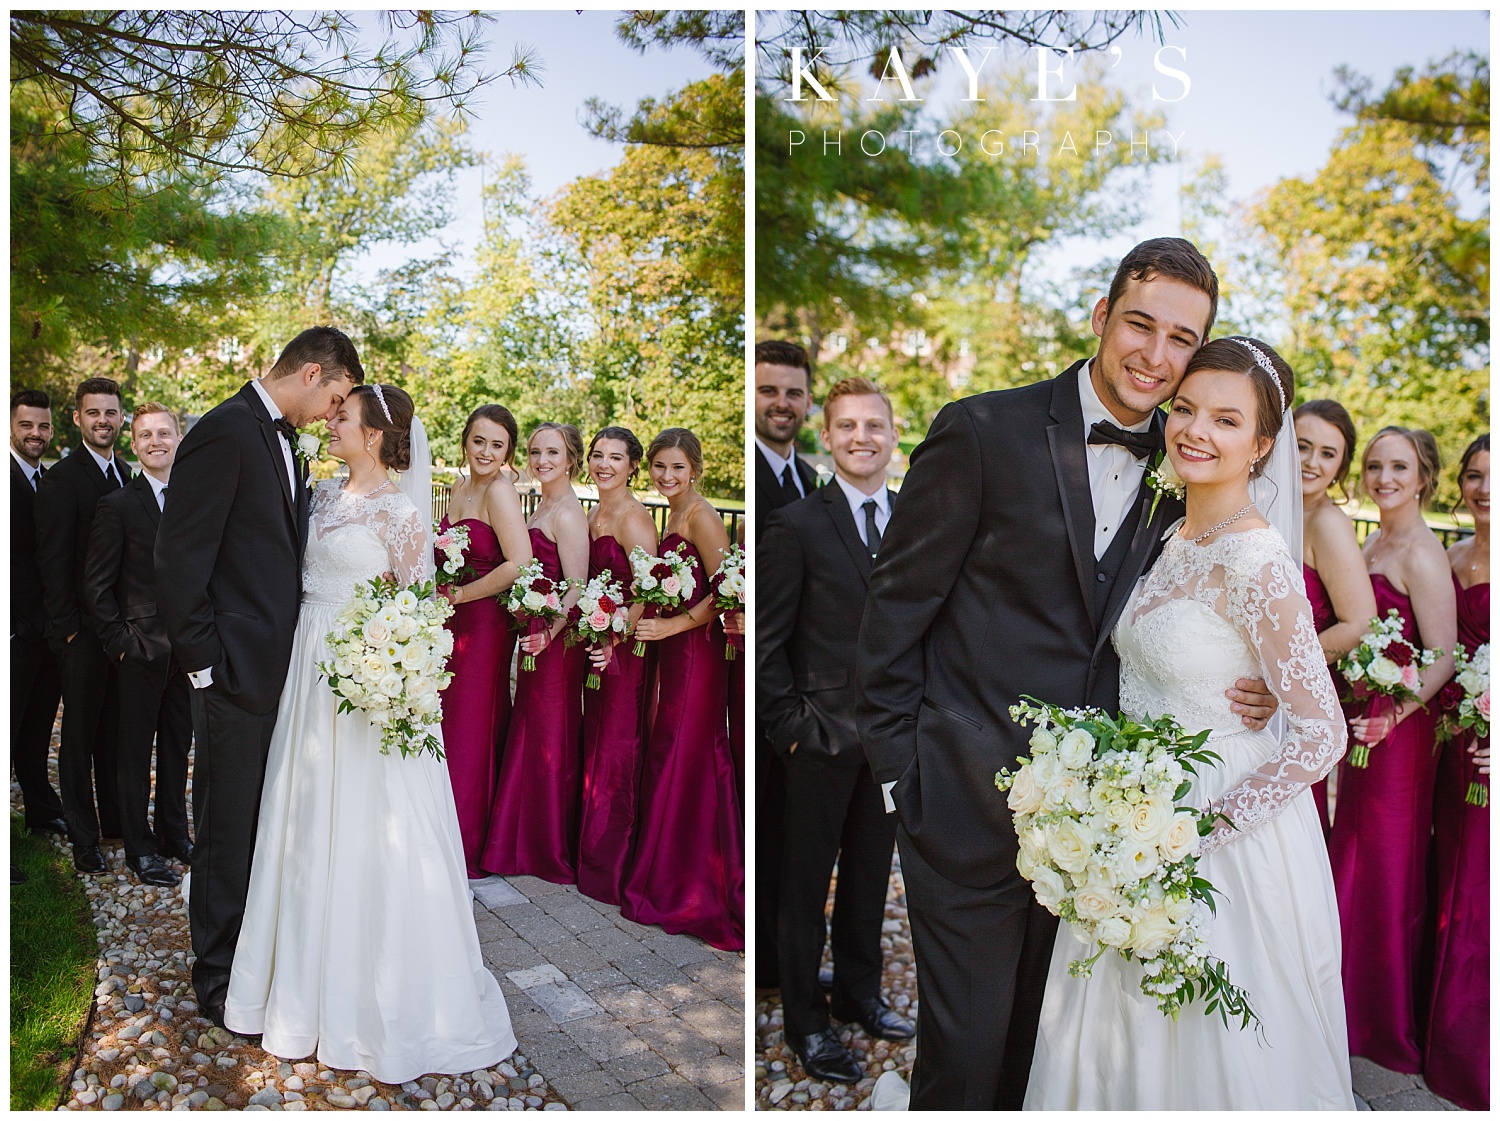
x=451 y=553
x=535 y=599
x=1384 y=664
x=664 y=582
x=1107 y=848
x=1468 y=698
x=727 y=586
x=390 y=650
x=598 y=617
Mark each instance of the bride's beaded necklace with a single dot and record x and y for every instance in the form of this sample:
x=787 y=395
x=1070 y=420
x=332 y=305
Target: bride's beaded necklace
x=1226 y=523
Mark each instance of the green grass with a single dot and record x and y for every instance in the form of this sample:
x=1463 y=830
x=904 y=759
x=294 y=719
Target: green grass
x=53 y=951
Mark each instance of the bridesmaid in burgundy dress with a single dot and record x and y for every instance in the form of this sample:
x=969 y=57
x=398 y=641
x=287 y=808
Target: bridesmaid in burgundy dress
x=476 y=704
x=614 y=715
x=1382 y=822
x=534 y=824
x=1457 y=1057
x=688 y=871
x=1338 y=585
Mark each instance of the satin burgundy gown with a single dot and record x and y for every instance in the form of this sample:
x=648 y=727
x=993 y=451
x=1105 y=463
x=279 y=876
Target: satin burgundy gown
x=736 y=717
x=1324 y=617
x=476 y=704
x=615 y=726
x=534 y=823
x=1456 y=1062
x=1382 y=830
x=688 y=872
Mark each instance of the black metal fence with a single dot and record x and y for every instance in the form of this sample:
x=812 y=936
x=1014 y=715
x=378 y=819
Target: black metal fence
x=657 y=506
x=1363 y=527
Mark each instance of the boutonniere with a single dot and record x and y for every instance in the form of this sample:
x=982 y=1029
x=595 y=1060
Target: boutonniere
x=307 y=447
x=1163 y=478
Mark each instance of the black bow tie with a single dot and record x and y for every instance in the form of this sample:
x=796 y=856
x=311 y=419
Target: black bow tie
x=1142 y=445
x=287 y=429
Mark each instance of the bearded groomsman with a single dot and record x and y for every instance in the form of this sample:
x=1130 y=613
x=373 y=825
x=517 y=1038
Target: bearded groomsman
x=35 y=678
x=783 y=395
x=814 y=571
x=119 y=594
x=65 y=503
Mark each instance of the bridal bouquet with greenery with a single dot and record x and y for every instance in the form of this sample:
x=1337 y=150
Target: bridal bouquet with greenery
x=1108 y=849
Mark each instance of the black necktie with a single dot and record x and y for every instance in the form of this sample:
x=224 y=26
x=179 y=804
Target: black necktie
x=111 y=475
x=162 y=501
x=1139 y=444
x=872 y=531
x=789 y=489
x=36 y=479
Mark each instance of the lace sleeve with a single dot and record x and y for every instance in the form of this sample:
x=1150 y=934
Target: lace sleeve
x=408 y=542
x=1267 y=604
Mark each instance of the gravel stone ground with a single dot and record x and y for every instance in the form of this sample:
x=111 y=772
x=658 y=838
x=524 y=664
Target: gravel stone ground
x=609 y=1014
x=781 y=1084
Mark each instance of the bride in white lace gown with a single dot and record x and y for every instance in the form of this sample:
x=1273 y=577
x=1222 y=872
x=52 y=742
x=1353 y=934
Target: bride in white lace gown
x=1225 y=600
x=358 y=941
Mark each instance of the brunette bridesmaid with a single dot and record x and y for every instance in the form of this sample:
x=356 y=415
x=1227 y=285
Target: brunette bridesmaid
x=1338 y=584
x=534 y=824
x=614 y=715
x=1382 y=824
x=688 y=873
x=1457 y=1057
x=476 y=704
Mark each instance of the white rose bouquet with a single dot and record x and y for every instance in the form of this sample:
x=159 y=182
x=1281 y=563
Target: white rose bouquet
x=1107 y=848
x=450 y=549
x=535 y=600
x=727 y=586
x=389 y=650
x=1384 y=664
x=599 y=616
x=1467 y=697
x=665 y=582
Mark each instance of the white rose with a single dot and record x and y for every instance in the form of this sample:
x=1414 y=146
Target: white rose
x=426 y=705
x=377 y=631
x=1134 y=861
x=421 y=687
x=1070 y=791
x=1178 y=908
x=1075 y=749
x=1472 y=681
x=379 y=716
x=1046 y=770
x=377 y=702
x=1355 y=672
x=533 y=601
x=1070 y=846
x=442 y=643
x=1043 y=741
x=391 y=685
x=1024 y=796
x=1095 y=904
x=1117 y=812
x=1149 y=821
x=648 y=582
x=308 y=445
x=1033 y=842
x=374 y=667
x=1152 y=932
x=348 y=688
x=1049 y=888
x=1384 y=672
x=1113 y=931
x=404 y=629
x=1180 y=841
x=1026 y=863
x=343 y=666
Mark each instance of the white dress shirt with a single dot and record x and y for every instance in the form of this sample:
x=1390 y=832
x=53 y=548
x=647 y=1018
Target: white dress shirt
x=780 y=463
x=857 y=499
x=1114 y=472
x=286 y=445
x=157 y=489
x=106 y=465
x=33 y=474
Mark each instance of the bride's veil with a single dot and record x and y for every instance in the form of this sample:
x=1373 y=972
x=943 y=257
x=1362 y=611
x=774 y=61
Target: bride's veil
x=416 y=480
x=1277 y=493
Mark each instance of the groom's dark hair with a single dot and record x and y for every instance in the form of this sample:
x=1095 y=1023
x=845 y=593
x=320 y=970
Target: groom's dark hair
x=1174 y=257
x=329 y=347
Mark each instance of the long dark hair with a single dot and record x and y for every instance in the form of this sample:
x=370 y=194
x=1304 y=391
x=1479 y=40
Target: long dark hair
x=498 y=414
x=1331 y=412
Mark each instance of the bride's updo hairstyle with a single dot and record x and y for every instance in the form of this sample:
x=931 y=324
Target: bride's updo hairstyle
x=1275 y=387
x=572 y=441
x=685 y=442
x=374 y=402
x=633 y=450
x=496 y=414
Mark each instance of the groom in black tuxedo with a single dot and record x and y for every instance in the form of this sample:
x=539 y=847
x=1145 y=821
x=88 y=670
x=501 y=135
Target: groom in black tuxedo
x=229 y=580
x=783 y=395
x=1023 y=526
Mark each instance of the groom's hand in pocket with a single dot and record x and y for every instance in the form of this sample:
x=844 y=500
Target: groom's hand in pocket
x=1252 y=702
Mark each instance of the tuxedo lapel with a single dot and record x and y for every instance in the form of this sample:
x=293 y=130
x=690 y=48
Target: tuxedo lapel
x=1148 y=530
x=272 y=440
x=843 y=520
x=1070 y=464
x=147 y=496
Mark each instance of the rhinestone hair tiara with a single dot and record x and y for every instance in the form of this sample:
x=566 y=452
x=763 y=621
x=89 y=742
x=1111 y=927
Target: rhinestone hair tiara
x=1262 y=359
x=386 y=409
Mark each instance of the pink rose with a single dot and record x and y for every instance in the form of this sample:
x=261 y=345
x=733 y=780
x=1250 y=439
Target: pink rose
x=1409 y=678
x=599 y=620
x=1482 y=705
x=553 y=602
x=671 y=585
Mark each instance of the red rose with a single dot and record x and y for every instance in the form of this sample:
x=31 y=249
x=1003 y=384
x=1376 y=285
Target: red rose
x=1400 y=653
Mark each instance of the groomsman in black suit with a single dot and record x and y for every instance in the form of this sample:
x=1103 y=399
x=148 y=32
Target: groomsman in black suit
x=119 y=594
x=65 y=504
x=35 y=679
x=783 y=395
x=814 y=572
x=229 y=580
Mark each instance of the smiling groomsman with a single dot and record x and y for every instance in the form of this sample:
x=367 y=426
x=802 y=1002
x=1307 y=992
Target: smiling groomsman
x=65 y=504
x=119 y=594
x=814 y=571
x=35 y=679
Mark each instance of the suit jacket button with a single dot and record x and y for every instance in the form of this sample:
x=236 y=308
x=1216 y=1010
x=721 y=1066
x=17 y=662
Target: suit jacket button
x=1103 y=578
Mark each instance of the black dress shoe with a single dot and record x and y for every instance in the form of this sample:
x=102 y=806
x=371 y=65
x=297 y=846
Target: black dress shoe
x=152 y=870
x=876 y=1017
x=88 y=858
x=180 y=849
x=823 y=1057
x=49 y=825
x=215 y=1015
x=16 y=876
